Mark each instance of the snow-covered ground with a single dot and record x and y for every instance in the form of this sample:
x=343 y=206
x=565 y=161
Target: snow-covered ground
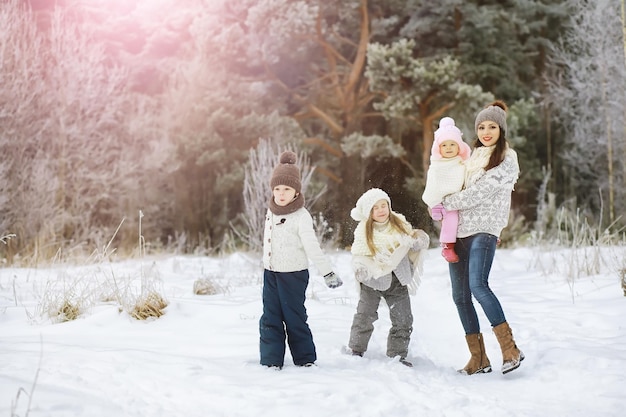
x=201 y=357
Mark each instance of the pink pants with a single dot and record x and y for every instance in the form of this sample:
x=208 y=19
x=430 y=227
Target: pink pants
x=449 y=225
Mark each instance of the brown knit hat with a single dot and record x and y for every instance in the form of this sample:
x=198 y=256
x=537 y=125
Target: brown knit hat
x=287 y=173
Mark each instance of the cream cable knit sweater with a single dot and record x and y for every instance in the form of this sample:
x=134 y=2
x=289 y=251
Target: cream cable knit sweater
x=289 y=244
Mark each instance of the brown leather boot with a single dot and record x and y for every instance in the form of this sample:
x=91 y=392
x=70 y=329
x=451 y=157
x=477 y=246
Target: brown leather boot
x=479 y=362
x=511 y=355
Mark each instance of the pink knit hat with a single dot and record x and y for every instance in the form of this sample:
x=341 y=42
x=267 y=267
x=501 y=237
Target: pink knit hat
x=448 y=131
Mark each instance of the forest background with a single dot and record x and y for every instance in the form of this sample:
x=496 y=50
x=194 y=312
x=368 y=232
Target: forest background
x=158 y=120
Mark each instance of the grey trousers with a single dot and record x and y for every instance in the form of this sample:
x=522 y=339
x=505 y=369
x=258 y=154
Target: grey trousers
x=397 y=298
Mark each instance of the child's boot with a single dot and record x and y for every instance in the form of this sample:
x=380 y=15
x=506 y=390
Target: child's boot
x=448 y=253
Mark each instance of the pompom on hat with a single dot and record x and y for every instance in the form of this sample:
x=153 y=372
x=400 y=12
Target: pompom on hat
x=287 y=172
x=448 y=131
x=365 y=203
x=496 y=112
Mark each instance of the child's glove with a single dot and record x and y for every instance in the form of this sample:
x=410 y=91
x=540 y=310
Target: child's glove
x=332 y=280
x=437 y=212
x=361 y=274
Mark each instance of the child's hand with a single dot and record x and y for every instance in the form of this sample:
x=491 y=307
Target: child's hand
x=360 y=274
x=437 y=212
x=332 y=280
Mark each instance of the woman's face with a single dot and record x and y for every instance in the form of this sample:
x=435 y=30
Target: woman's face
x=283 y=195
x=488 y=133
x=380 y=211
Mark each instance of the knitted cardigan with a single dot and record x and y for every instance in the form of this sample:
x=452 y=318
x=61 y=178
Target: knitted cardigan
x=396 y=252
x=289 y=241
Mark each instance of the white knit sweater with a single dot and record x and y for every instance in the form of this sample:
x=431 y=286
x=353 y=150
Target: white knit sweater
x=485 y=202
x=445 y=176
x=289 y=244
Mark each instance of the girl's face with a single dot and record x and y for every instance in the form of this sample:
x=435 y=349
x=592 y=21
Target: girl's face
x=380 y=211
x=283 y=195
x=449 y=149
x=488 y=133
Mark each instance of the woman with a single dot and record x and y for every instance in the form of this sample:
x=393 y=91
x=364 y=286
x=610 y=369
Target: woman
x=484 y=203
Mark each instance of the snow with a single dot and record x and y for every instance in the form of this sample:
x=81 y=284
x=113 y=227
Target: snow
x=201 y=357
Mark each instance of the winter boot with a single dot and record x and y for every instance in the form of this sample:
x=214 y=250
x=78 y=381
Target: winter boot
x=404 y=361
x=448 y=253
x=511 y=355
x=479 y=362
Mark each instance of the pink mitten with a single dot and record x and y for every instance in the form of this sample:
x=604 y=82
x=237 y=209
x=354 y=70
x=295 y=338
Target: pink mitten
x=437 y=212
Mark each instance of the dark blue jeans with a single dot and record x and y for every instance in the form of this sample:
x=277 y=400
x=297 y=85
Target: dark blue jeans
x=284 y=315
x=470 y=277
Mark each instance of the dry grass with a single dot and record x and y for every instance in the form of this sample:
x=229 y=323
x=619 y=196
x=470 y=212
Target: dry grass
x=205 y=286
x=152 y=305
x=79 y=286
x=68 y=311
x=66 y=297
x=579 y=249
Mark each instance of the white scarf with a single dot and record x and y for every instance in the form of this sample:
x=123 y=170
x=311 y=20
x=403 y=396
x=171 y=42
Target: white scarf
x=475 y=165
x=392 y=247
x=386 y=240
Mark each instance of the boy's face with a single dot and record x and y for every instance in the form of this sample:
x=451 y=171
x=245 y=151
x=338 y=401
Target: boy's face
x=449 y=149
x=488 y=133
x=283 y=195
x=380 y=211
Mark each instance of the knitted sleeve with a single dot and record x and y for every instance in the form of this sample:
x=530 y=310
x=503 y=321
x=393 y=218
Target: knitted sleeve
x=311 y=244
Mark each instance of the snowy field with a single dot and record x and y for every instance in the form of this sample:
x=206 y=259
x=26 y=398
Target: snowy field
x=201 y=357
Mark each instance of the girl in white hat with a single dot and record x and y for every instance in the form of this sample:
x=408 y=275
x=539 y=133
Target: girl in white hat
x=386 y=259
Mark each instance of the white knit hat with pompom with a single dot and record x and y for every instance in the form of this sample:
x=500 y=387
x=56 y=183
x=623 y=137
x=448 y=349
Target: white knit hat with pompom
x=365 y=203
